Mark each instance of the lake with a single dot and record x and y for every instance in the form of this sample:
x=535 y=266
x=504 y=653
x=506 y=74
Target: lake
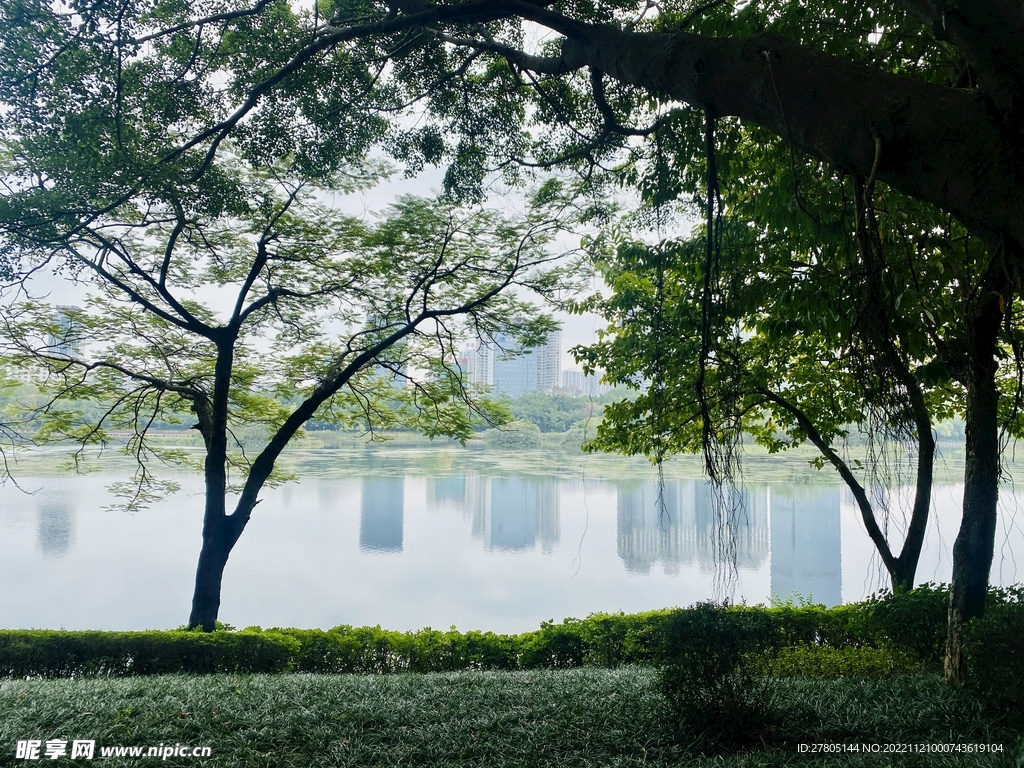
x=416 y=537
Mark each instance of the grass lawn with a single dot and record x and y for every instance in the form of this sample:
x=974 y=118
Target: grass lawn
x=578 y=717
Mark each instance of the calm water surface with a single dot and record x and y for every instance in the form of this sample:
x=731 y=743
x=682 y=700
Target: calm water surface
x=408 y=544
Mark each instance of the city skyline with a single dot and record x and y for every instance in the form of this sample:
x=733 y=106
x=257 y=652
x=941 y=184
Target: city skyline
x=540 y=369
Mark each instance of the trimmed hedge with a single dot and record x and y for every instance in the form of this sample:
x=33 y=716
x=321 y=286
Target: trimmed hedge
x=911 y=626
x=48 y=653
x=598 y=641
x=825 y=663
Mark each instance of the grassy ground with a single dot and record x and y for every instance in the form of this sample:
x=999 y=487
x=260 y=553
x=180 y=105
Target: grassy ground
x=580 y=717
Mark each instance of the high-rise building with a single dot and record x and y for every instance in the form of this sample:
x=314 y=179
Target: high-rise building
x=32 y=375
x=576 y=383
x=67 y=338
x=536 y=370
x=514 y=374
x=478 y=364
x=549 y=362
x=572 y=381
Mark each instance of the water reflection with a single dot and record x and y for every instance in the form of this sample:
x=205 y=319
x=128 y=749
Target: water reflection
x=381 y=518
x=513 y=513
x=506 y=513
x=56 y=528
x=806 y=545
x=682 y=529
x=433 y=547
x=446 y=494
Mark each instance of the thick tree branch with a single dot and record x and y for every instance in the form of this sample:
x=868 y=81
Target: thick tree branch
x=945 y=146
x=990 y=35
x=218 y=18
x=263 y=465
x=189 y=324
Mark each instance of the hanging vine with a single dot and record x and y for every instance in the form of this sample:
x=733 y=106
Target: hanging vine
x=660 y=429
x=719 y=444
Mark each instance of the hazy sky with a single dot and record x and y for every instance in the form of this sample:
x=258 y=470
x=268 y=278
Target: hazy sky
x=367 y=203
x=575 y=329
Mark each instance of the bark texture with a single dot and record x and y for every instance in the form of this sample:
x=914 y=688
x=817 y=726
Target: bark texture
x=220 y=532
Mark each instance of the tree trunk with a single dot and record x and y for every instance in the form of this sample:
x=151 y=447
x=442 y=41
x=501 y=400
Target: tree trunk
x=877 y=330
x=905 y=567
x=220 y=532
x=975 y=543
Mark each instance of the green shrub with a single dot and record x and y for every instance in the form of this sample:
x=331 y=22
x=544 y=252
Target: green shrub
x=913 y=621
x=835 y=627
x=994 y=652
x=716 y=698
x=434 y=651
x=883 y=635
x=603 y=640
x=553 y=646
x=46 y=653
x=486 y=650
x=832 y=663
x=514 y=436
x=611 y=640
x=579 y=433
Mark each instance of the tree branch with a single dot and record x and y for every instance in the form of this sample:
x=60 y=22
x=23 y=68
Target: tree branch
x=867 y=514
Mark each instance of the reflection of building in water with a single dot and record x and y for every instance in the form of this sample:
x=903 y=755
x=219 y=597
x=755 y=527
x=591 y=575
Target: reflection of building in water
x=512 y=513
x=806 y=546
x=682 y=529
x=56 y=529
x=549 y=524
x=380 y=524
x=446 y=493
x=478 y=501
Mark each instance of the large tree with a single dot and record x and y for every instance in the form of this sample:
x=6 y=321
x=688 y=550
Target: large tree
x=919 y=96
x=276 y=311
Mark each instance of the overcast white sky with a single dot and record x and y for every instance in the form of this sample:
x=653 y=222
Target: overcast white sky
x=575 y=329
